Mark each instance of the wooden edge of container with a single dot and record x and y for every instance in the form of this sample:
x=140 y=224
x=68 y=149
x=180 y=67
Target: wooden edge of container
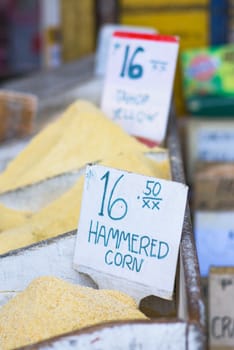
x=195 y=303
x=96 y=331
x=46 y=242
x=180 y=333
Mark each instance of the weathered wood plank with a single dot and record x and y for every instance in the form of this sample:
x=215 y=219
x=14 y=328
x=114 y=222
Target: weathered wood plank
x=51 y=257
x=192 y=282
x=34 y=197
x=125 y=336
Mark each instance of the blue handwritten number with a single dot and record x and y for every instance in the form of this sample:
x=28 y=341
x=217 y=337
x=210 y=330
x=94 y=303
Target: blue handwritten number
x=105 y=176
x=111 y=204
x=134 y=71
x=154 y=188
x=125 y=61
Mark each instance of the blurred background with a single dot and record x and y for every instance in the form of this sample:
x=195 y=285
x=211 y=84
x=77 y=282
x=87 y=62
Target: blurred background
x=39 y=34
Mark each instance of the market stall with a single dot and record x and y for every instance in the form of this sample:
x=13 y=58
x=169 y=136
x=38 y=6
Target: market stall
x=185 y=328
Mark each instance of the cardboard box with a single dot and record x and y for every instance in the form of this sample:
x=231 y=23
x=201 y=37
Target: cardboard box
x=214 y=187
x=221 y=308
x=17 y=112
x=208 y=141
x=214 y=236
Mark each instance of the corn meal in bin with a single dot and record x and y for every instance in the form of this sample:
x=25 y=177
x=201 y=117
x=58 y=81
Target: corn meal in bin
x=50 y=306
x=10 y=218
x=62 y=214
x=82 y=135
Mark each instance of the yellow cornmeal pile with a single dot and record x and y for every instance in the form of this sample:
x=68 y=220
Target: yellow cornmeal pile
x=50 y=306
x=10 y=218
x=82 y=135
x=62 y=214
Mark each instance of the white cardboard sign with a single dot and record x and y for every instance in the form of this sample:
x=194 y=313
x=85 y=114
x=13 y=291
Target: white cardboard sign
x=129 y=231
x=214 y=233
x=216 y=144
x=138 y=84
x=221 y=308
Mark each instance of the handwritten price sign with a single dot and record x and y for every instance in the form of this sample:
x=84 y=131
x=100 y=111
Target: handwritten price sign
x=221 y=308
x=139 y=80
x=129 y=231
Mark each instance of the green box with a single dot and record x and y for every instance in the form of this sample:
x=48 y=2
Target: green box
x=208 y=80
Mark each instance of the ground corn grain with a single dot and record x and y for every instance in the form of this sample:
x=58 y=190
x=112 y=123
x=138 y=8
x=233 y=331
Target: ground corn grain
x=62 y=215
x=10 y=218
x=50 y=306
x=81 y=135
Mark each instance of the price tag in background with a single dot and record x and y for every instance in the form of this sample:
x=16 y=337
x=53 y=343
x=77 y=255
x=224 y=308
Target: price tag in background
x=216 y=144
x=138 y=84
x=129 y=231
x=221 y=308
x=104 y=38
x=214 y=234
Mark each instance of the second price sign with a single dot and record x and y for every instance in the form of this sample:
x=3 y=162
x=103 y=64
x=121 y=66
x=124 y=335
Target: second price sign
x=138 y=84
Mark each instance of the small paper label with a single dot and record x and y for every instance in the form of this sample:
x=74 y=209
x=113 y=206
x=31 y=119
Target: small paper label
x=129 y=231
x=221 y=308
x=214 y=232
x=216 y=145
x=138 y=85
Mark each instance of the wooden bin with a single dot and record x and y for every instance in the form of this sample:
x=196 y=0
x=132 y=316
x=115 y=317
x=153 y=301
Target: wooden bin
x=186 y=330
